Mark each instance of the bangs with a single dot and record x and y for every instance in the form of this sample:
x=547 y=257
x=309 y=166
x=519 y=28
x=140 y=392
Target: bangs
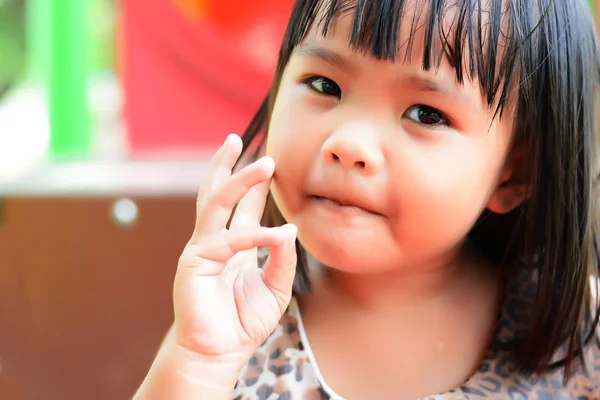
x=480 y=43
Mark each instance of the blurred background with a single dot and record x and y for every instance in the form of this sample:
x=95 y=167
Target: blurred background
x=109 y=111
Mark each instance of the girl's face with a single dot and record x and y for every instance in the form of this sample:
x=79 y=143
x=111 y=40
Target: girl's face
x=380 y=164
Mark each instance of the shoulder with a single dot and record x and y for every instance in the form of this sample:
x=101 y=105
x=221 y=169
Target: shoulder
x=280 y=365
x=498 y=376
x=586 y=380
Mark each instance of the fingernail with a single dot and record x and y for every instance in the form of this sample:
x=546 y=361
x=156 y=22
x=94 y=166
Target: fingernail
x=292 y=242
x=293 y=231
x=267 y=161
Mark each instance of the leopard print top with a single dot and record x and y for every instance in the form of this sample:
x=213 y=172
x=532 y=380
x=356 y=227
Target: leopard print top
x=284 y=367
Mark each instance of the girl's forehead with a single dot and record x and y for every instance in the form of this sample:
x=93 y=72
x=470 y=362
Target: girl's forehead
x=339 y=32
x=389 y=29
x=335 y=50
x=475 y=40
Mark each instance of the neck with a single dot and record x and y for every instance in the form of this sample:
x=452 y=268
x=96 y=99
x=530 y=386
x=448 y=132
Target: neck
x=417 y=285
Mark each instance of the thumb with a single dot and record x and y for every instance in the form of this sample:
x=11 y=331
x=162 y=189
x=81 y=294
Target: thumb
x=280 y=268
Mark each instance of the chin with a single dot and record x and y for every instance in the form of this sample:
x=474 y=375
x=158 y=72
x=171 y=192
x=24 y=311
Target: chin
x=346 y=252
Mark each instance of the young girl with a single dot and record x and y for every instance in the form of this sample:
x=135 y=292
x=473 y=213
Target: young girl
x=426 y=187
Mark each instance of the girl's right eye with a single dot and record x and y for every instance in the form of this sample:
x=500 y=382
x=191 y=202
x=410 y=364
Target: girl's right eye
x=324 y=86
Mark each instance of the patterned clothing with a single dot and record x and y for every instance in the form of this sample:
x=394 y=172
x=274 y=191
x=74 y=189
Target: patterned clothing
x=285 y=368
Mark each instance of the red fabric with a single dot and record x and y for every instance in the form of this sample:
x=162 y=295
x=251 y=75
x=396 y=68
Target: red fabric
x=189 y=82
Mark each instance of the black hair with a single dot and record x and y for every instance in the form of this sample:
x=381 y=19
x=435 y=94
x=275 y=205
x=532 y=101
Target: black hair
x=540 y=58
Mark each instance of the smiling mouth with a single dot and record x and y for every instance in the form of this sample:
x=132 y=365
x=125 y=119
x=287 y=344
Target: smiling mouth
x=343 y=207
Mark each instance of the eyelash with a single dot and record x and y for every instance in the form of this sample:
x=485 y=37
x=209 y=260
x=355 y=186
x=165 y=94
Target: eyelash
x=443 y=120
x=310 y=81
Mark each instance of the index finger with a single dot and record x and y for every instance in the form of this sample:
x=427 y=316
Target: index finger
x=250 y=209
x=218 y=171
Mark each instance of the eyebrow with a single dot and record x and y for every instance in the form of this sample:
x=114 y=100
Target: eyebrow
x=430 y=85
x=327 y=55
x=419 y=82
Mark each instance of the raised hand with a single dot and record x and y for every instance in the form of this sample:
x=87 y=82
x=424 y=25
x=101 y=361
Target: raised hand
x=225 y=306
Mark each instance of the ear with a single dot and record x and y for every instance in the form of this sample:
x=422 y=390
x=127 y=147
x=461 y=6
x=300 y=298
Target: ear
x=513 y=186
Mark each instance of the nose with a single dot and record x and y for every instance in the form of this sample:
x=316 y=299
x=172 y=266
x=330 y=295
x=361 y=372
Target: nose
x=356 y=147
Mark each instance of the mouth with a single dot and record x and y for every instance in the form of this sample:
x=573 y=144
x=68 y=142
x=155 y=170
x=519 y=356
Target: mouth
x=343 y=206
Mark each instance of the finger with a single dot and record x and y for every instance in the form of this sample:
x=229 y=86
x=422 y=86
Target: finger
x=250 y=209
x=222 y=163
x=280 y=268
x=217 y=209
x=219 y=170
x=223 y=246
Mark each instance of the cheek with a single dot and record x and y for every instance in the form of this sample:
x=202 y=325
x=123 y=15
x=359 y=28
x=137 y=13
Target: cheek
x=292 y=147
x=441 y=194
x=280 y=133
x=287 y=125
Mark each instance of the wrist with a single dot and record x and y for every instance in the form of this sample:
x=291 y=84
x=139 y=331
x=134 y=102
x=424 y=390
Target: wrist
x=205 y=369
x=179 y=373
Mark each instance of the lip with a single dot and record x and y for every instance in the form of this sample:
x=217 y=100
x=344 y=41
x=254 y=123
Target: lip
x=343 y=205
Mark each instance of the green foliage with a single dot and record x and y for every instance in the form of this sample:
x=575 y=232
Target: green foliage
x=12 y=42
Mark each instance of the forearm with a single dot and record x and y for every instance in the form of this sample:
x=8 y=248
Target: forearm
x=178 y=374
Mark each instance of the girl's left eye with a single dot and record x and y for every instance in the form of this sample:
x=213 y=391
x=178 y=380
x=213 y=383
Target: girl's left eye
x=324 y=86
x=425 y=115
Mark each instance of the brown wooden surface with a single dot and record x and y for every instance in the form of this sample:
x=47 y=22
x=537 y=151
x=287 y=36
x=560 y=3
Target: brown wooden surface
x=83 y=303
